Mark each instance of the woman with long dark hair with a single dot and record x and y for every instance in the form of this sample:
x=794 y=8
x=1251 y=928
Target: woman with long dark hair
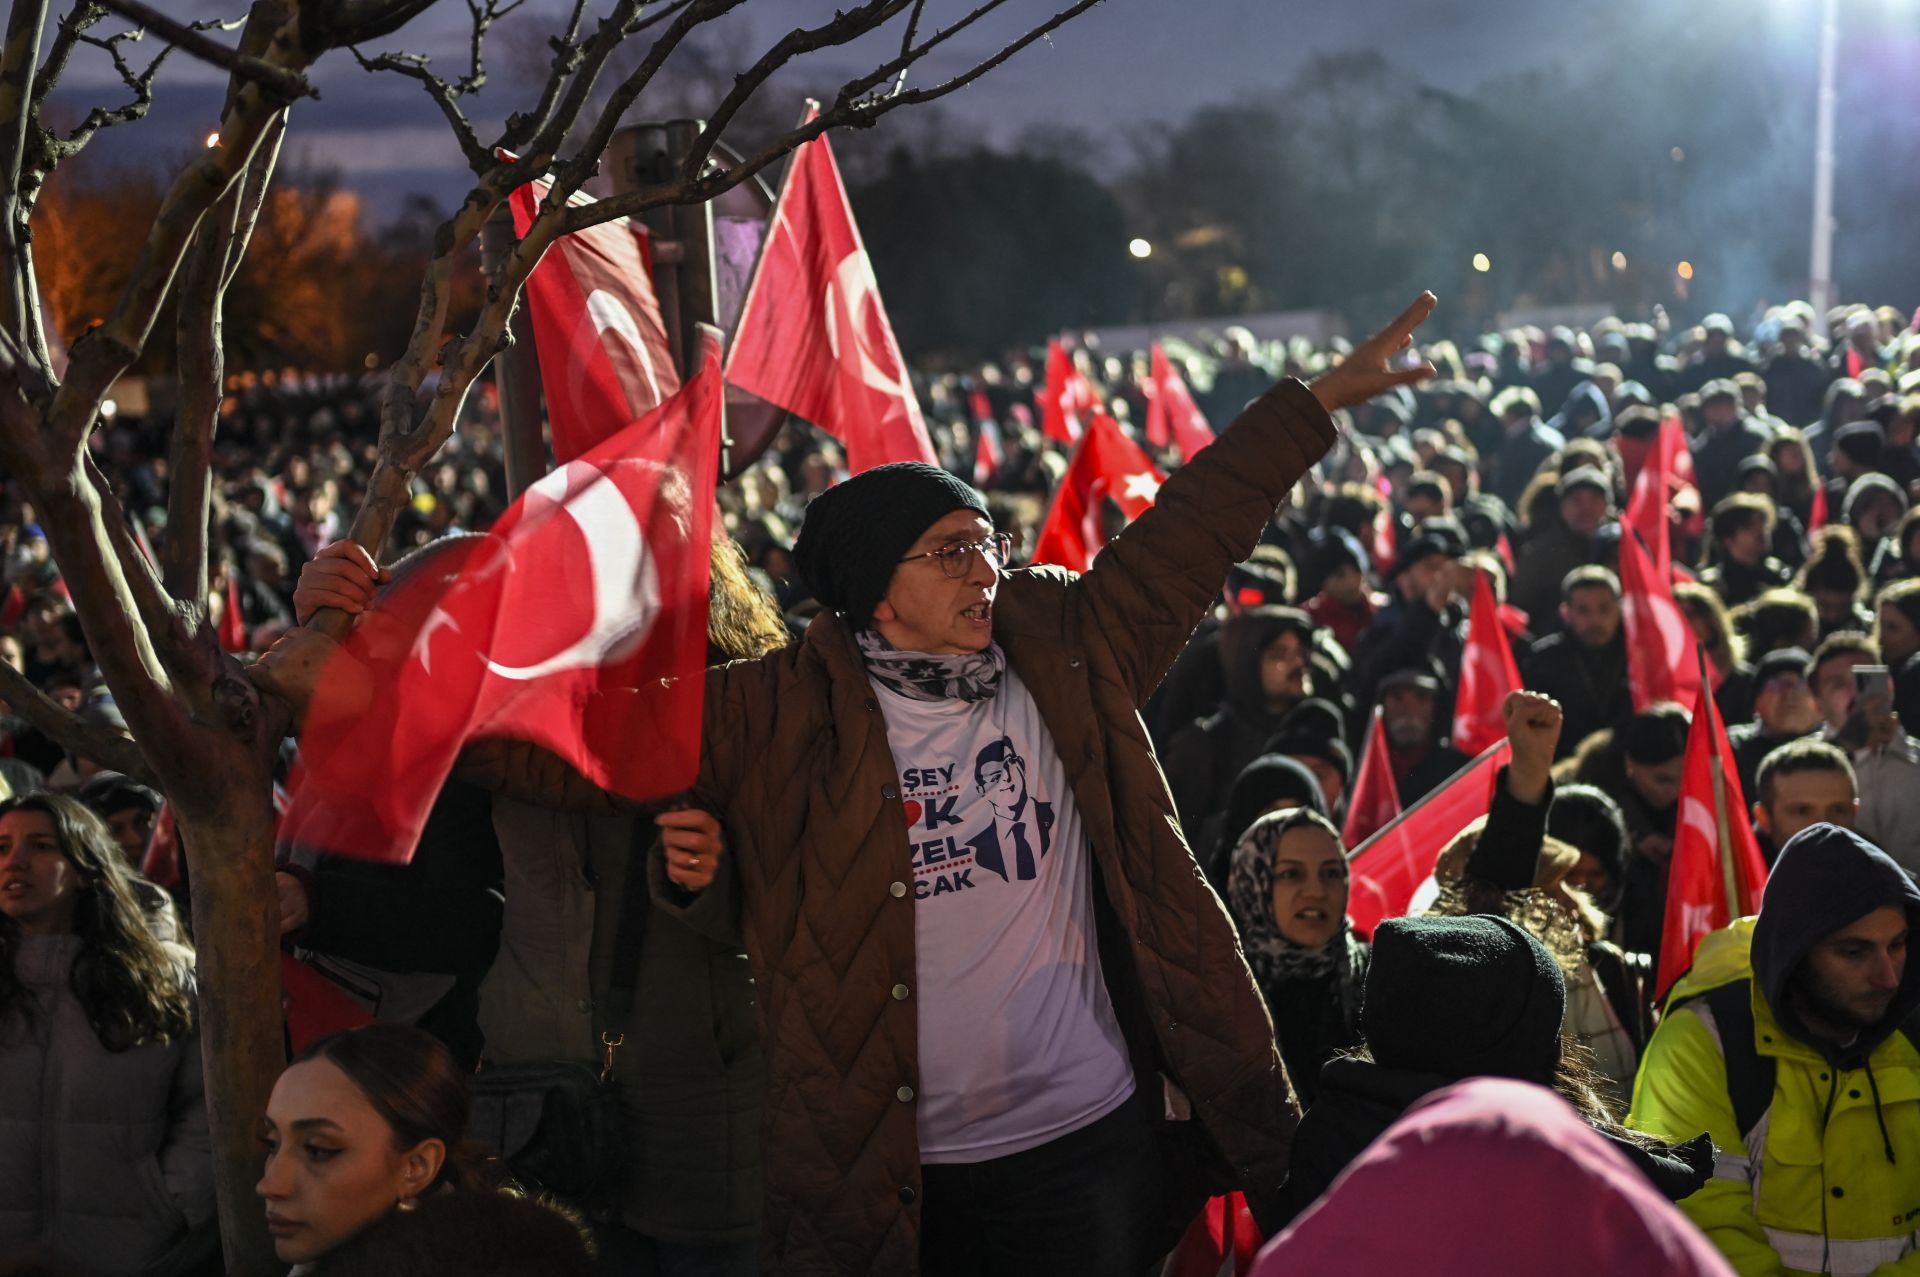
x=369 y=1168
x=106 y=1165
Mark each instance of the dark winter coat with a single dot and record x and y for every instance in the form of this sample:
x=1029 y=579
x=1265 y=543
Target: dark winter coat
x=472 y=1234
x=796 y=760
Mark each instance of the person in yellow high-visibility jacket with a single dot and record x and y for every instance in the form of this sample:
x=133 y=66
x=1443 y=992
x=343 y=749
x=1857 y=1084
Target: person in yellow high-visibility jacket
x=1791 y=1042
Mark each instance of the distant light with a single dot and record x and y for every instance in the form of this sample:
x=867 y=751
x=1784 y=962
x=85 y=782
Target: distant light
x=1140 y=248
x=372 y=360
x=1679 y=155
x=1619 y=261
x=213 y=140
x=1482 y=263
x=1684 y=270
x=108 y=408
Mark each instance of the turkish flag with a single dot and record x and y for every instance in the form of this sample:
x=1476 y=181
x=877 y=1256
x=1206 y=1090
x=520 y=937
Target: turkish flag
x=1660 y=643
x=1172 y=415
x=1068 y=402
x=1666 y=472
x=1223 y=1238
x=233 y=626
x=1717 y=873
x=604 y=358
x=160 y=863
x=1390 y=866
x=1375 y=800
x=1817 y=513
x=813 y=337
x=1488 y=673
x=578 y=623
x=1107 y=466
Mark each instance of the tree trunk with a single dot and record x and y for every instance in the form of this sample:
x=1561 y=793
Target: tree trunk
x=229 y=850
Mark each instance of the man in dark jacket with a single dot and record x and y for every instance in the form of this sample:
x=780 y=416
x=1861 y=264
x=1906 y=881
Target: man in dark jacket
x=1730 y=437
x=1584 y=666
x=1425 y=621
x=1525 y=442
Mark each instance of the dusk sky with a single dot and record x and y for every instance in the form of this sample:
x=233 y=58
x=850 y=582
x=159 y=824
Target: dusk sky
x=1126 y=63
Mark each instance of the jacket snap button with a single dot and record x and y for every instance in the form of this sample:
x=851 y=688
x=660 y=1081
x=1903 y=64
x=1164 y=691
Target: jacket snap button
x=1074 y=663
x=899 y=993
x=904 y=1094
x=1839 y=1192
x=888 y=791
x=907 y=1195
x=897 y=888
x=872 y=704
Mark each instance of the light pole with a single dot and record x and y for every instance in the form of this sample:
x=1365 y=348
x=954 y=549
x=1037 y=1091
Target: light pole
x=1820 y=270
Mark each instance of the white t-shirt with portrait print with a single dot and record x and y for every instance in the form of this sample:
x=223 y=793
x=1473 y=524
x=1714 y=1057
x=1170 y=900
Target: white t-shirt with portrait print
x=1018 y=1041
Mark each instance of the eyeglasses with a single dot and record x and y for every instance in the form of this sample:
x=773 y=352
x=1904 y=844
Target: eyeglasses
x=956 y=560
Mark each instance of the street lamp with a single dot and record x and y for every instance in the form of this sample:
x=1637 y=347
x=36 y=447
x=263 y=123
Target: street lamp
x=1820 y=267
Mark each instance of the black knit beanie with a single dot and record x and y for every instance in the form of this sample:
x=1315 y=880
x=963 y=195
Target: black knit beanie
x=1463 y=997
x=855 y=533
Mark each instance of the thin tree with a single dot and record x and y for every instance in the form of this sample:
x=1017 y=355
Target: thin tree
x=205 y=728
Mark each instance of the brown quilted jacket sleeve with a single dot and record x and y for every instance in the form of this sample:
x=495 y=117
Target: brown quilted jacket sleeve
x=1151 y=586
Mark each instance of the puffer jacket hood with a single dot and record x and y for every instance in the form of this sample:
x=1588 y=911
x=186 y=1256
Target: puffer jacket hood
x=1825 y=879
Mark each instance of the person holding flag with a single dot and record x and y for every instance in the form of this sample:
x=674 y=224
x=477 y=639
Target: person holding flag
x=942 y=813
x=1791 y=1042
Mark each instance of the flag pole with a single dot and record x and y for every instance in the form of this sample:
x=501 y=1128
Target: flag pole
x=1724 y=851
x=1428 y=797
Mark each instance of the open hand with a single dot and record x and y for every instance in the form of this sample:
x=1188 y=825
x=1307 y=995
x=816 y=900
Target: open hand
x=1370 y=369
x=691 y=841
x=342 y=575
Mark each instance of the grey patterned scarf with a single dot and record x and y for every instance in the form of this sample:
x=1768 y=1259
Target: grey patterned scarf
x=1274 y=958
x=922 y=676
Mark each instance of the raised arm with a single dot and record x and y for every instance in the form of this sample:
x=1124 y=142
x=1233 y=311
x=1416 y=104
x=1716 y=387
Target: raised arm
x=1150 y=587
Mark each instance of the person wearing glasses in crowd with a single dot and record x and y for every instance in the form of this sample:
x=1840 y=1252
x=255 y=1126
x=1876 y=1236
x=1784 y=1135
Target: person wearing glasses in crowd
x=999 y=1003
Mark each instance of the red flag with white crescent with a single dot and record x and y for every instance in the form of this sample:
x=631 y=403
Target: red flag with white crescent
x=1171 y=411
x=578 y=623
x=1488 y=673
x=604 y=358
x=1107 y=466
x=813 y=337
x=1660 y=642
x=1717 y=873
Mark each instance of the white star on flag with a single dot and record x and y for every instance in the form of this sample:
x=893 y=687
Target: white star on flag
x=1141 y=487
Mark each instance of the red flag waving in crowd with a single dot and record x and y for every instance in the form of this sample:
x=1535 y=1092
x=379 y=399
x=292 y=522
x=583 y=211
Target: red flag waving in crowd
x=1487 y=673
x=1389 y=867
x=1660 y=643
x=1376 y=798
x=813 y=336
x=1717 y=873
x=604 y=359
x=1172 y=415
x=1107 y=466
x=578 y=623
x=1070 y=402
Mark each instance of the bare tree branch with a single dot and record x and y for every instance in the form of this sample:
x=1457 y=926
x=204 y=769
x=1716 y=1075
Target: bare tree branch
x=71 y=733
x=445 y=96
x=209 y=268
x=109 y=350
x=845 y=26
x=283 y=83
x=906 y=41
x=566 y=59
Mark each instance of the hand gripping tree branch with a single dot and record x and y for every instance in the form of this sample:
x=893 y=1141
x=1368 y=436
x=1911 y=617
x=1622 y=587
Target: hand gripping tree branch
x=206 y=728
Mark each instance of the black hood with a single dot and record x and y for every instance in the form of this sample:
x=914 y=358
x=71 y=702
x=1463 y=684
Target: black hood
x=1827 y=878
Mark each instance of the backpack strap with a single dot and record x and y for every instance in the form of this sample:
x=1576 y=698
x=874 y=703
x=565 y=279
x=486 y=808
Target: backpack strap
x=1750 y=1075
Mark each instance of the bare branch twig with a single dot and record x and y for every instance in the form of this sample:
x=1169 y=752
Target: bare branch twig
x=71 y=733
x=285 y=84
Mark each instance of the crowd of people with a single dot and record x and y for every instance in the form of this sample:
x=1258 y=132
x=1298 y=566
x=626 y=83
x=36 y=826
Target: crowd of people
x=1006 y=924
